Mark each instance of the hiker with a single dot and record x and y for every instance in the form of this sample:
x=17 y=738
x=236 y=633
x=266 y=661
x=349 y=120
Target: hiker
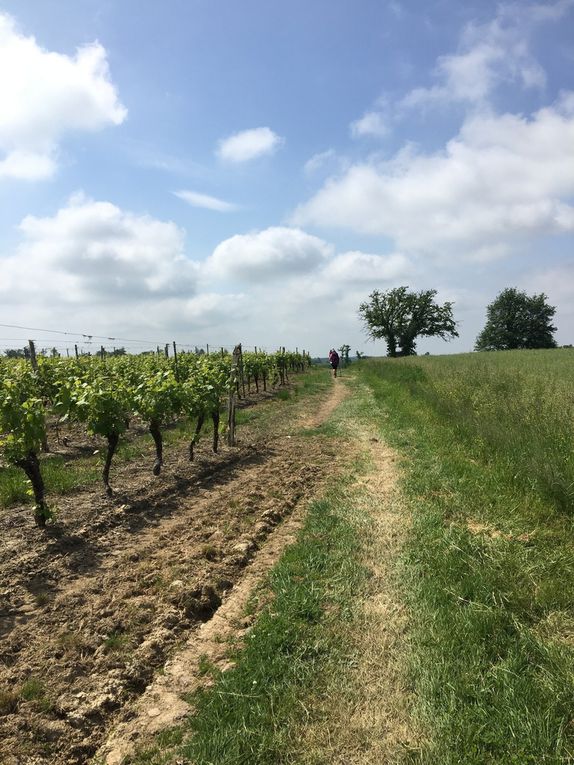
x=334 y=360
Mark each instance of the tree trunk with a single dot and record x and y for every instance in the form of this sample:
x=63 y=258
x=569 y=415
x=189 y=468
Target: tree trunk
x=408 y=346
x=156 y=435
x=215 y=418
x=113 y=439
x=195 y=439
x=31 y=466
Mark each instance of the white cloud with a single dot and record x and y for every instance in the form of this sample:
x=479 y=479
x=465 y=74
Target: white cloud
x=318 y=161
x=500 y=178
x=248 y=145
x=195 y=199
x=211 y=308
x=362 y=268
x=372 y=124
x=489 y=55
x=45 y=95
x=273 y=253
x=96 y=253
x=538 y=12
x=556 y=282
x=27 y=166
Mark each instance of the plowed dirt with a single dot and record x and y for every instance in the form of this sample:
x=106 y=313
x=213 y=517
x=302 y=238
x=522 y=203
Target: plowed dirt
x=93 y=606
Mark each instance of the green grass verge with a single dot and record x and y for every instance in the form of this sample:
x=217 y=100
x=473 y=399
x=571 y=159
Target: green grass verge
x=253 y=712
x=487 y=442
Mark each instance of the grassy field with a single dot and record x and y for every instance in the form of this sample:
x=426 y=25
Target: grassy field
x=488 y=450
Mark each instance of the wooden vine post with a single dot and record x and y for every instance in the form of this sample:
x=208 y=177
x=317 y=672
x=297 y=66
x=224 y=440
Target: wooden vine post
x=175 y=370
x=33 y=360
x=241 y=375
x=232 y=395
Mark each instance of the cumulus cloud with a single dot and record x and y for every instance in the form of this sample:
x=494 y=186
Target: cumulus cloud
x=248 y=145
x=500 y=178
x=489 y=55
x=95 y=252
x=273 y=253
x=359 y=268
x=27 y=165
x=45 y=95
x=372 y=124
x=196 y=199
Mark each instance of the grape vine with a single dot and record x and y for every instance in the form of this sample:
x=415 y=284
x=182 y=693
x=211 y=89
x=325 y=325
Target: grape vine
x=105 y=394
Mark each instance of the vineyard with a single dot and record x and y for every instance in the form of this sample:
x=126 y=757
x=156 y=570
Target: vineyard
x=105 y=395
x=91 y=607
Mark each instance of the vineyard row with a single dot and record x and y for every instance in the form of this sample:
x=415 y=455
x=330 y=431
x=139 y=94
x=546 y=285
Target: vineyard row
x=104 y=394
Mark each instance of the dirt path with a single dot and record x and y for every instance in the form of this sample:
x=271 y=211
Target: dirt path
x=89 y=612
x=367 y=720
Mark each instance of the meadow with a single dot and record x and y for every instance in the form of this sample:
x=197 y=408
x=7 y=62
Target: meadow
x=488 y=451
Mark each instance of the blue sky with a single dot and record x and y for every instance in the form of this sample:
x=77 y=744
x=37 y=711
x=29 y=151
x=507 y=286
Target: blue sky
x=215 y=172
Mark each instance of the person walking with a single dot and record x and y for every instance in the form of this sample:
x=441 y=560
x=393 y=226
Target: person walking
x=334 y=361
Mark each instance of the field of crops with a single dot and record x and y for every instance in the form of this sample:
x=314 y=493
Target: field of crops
x=105 y=395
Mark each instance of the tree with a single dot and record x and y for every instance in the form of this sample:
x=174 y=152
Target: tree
x=400 y=316
x=17 y=353
x=517 y=320
x=344 y=350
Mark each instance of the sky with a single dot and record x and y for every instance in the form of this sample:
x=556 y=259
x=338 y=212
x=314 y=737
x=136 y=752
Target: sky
x=224 y=171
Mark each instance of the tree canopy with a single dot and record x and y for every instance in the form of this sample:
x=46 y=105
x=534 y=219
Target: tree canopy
x=400 y=317
x=517 y=320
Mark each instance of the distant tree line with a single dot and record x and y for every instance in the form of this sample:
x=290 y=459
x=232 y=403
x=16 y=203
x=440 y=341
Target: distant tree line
x=24 y=353
x=514 y=320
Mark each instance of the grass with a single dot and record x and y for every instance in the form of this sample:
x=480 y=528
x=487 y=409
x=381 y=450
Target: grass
x=116 y=642
x=250 y=714
x=487 y=442
x=34 y=690
x=253 y=712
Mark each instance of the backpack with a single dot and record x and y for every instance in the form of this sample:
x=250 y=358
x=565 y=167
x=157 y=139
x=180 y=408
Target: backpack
x=334 y=357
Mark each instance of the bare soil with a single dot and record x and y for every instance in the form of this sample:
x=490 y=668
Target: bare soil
x=93 y=606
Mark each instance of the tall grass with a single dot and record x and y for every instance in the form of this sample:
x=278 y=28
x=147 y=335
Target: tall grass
x=515 y=409
x=488 y=443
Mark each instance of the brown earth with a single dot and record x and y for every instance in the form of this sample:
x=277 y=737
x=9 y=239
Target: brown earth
x=94 y=605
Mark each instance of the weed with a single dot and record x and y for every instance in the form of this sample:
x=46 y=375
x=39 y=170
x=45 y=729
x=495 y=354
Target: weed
x=116 y=642
x=32 y=690
x=209 y=552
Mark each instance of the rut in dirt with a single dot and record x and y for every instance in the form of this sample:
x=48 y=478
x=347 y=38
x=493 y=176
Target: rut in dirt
x=90 y=614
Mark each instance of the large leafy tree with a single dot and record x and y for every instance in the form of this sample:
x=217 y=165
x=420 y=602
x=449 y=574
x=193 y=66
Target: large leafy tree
x=400 y=317
x=517 y=320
